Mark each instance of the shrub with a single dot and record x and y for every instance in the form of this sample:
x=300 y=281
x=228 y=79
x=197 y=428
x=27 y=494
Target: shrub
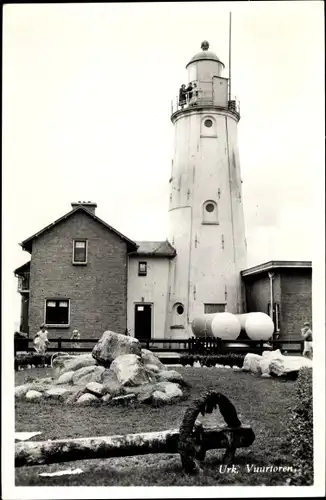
x=23 y=360
x=230 y=359
x=300 y=430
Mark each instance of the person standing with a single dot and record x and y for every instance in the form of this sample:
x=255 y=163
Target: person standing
x=75 y=336
x=306 y=333
x=189 y=92
x=194 y=95
x=182 y=96
x=41 y=342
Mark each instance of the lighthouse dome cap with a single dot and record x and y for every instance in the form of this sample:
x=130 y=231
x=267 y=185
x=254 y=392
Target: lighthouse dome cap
x=205 y=54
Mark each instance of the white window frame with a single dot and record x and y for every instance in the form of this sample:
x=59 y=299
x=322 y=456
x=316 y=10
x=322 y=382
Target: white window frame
x=76 y=263
x=224 y=304
x=142 y=273
x=52 y=325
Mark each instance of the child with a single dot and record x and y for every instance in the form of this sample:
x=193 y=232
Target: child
x=306 y=333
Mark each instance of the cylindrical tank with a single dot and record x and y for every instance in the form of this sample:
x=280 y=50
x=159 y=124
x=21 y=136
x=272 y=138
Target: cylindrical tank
x=257 y=325
x=219 y=325
x=202 y=325
x=225 y=326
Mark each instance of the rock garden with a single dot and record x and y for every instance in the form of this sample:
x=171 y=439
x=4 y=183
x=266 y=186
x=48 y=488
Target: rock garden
x=117 y=370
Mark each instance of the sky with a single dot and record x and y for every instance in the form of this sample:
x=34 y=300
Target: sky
x=87 y=92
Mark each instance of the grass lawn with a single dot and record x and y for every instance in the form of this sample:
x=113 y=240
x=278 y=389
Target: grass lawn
x=265 y=404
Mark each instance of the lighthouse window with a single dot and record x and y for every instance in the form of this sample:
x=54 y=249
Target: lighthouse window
x=210 y=212
x=180 y=309
x=210 y=207
x=208 y=123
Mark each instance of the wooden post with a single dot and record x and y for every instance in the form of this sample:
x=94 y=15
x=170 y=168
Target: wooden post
x=46 y=452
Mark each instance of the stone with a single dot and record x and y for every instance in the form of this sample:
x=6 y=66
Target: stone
x=65 y=378
x=111 y=384
x=129 y=370
x=288 y=364
x=59 y=360
x=31 y=395
x=267 y=358
x=95 y=388
x=159 y=398
x=88 y=374
x=145 y=392
x=152 y=368
x=56 y=392
x=86 y=399
x=251 y=363
x=151 y=359
x=197 y=364
x=63 y=364
x=72 y=398
x=172 y=390
x=21 y=390
x=170 y=376
x=45 y=380
x=112 y=345
x=237 y=368
x=106 y=398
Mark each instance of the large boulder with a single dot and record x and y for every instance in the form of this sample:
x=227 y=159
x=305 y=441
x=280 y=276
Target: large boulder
x=169 y=389
x=251 y=363
x=111 y=384
x=111 y=345
x=57 y=392
x=130 y=370
x=95 y=388
x=170 y=376
x=288 y=365
x=149 y=359
x=63 y=364
x=159 y=398
x=88 y=374
x=266 y=359
x=65 y=378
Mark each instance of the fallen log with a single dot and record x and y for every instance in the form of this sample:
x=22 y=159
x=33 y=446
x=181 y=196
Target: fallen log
x=65 y=450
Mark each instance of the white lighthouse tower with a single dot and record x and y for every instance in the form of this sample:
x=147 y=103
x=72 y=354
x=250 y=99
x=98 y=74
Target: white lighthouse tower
x=206 y=220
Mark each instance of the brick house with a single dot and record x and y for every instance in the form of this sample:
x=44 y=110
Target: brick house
x=78 y=277
x=287 y=286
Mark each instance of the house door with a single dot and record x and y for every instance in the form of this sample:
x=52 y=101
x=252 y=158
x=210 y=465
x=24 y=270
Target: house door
x=143 y=321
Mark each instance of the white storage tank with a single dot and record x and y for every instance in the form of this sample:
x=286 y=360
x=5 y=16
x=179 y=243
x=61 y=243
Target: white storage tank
x=219 y=325
x=257 y=325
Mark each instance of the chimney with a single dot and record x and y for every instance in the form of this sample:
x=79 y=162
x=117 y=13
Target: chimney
x=89 y=205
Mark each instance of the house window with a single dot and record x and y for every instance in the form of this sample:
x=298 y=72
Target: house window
x=57 y=312
x=276 y=315
x=214 y=308
x=80 y=252
x=142 y=268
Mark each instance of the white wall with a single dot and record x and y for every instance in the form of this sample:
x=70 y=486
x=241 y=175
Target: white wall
x=150 y=289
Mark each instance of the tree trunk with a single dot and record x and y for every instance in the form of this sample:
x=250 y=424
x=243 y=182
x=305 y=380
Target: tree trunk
x=46 y=452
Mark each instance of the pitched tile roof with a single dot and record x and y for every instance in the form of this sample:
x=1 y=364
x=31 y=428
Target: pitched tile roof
x=27 y=244
x=155 y=249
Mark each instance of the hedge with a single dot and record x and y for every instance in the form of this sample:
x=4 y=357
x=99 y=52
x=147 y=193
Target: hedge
x=231 y=359
x=23 y=360
x=300 y=431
